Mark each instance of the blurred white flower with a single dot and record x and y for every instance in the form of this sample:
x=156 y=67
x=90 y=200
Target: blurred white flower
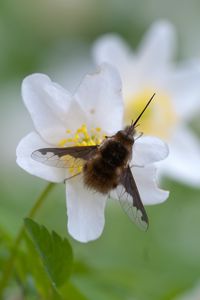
x=191 y=294
x=61 y=119
x=150 y=70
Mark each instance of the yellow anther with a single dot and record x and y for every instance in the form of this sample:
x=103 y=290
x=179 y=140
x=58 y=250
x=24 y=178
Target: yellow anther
x=71 y=170
x=75 y=141
x=77 y=136
x=62 y=142
x=86 y=135
x=84 y=143
x=81 y=137
x=79 y=130
x=69 y=140
x=80 y=168
x=84 y=131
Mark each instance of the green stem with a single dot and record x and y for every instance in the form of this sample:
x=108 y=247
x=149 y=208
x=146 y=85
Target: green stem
x=10 y=262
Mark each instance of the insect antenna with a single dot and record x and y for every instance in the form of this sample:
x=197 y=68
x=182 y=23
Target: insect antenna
x=133 y=123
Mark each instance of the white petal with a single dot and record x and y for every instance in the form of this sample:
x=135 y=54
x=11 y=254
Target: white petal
x=147 y=150
x=183 y=85
x=112 y=49
x=145 y=179
x=26 y=146
x=99 y=95
x=183 y=163
x=75 y=117
x=85 y=210
x=48 y=104
x=155 y=51
x=149 y=67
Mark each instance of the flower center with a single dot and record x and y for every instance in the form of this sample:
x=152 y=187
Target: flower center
x=159 y=118
x=80 y=137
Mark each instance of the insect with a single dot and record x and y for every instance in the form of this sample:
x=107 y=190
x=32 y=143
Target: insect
x=105 y=167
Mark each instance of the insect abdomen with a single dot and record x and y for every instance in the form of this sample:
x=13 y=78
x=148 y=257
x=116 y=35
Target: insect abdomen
x=99 y=176
x=103 y=172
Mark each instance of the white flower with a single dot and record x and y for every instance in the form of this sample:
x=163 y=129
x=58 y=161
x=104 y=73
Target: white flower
x=61 y=119
x=150 y=70
x=193 y=293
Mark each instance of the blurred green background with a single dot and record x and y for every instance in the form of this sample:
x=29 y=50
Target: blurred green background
x=55 y=37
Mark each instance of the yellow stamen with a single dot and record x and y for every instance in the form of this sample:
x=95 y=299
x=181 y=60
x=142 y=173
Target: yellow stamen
x=69 y=140
x=84 y=143
x=62 y=142
x=159 y=118
x=79 y=130
x=77 y=136
x=81 y=137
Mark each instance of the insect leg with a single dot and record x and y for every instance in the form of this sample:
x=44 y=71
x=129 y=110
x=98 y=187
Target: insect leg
x=139 y=136
x=71 y=177
x=136 y=166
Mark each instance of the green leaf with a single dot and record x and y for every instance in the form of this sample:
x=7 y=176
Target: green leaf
x=55 y=252
x=36 y=270
x=70 y=291
x=5 y=242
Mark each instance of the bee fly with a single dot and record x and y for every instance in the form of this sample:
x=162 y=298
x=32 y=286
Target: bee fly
x=105 y=167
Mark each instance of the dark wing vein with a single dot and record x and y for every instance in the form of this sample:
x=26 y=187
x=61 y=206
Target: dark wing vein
x=130 y=200
x=68 y=157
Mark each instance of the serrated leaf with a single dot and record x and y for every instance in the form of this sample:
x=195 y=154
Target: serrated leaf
x=32 y=260
x=55 y=252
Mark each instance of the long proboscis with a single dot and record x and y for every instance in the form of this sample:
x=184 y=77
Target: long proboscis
x=133 y=124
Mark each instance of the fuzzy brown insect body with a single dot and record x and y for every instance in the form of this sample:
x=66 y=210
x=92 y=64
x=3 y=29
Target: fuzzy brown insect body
x=105 y=167
x=104 y=170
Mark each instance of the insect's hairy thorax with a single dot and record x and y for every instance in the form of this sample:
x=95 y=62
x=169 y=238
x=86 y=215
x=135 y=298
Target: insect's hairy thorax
x=103 y=172
x=114 y=153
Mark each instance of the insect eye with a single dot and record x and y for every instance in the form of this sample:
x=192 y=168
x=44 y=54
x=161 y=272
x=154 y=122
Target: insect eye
x=121 y=133
x=130 y=138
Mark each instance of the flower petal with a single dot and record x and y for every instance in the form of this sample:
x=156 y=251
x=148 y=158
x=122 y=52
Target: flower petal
x=48 y=104
x=145 y=179
x=85 y=210
x=156 y=50
x=147 y=150
x=26 y=146
x=112 y=49
x=99 y=95
x=183 y=85
x=183 y=163
x=149 y=67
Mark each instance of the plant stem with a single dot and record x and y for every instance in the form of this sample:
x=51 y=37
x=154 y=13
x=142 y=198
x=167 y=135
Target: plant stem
x=10 y=262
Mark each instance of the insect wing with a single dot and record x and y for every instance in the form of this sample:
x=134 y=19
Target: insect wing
x=130 y=200
x=68 y=157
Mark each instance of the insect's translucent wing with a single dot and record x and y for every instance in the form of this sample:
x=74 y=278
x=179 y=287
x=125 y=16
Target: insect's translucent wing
x=70 y=157
x=130 y=201
x=53 y=160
